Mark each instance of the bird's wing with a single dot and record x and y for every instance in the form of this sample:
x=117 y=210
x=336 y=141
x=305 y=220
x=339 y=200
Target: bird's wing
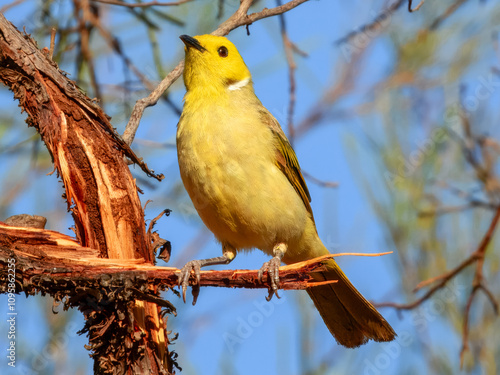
x=286 y=160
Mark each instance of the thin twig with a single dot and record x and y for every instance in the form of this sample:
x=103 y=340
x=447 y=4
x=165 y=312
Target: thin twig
x=491 y=298
x=367 y=28
x=114 y=44
x=459 y=208
x=142 y=5
x=325 y=105
x=322 y=183
x=448 y=12
x=476 y=256
x=5 y=8
x=444 y=278
x=239 y=18
x=52 y=42
x=220 y=9
x=478 y=284
x=86 y=22
x=355 y=254
x=290 y=48
x=150 y=100
x=466 y=195
x=416 y=8
x=465 y=328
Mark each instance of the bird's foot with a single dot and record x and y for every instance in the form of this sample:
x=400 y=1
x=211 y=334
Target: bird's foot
x=185 y=274
x=195 y=265
x=272 y=268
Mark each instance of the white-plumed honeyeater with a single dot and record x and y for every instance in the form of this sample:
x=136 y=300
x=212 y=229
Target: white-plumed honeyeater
x=245 y=182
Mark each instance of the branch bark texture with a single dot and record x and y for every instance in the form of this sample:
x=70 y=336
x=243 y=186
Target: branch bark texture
x=101 y=194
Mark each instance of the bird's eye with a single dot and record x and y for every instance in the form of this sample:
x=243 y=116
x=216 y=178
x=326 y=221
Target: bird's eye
x=223 y=52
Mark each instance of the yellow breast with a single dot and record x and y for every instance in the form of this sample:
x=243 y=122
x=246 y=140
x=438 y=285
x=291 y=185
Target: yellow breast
x=226 y=159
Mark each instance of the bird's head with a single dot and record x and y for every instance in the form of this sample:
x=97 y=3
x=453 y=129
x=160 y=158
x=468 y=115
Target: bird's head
x=213 y=62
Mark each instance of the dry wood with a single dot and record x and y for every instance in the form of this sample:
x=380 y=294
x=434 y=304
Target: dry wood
x=37 y=250
x=100 y=192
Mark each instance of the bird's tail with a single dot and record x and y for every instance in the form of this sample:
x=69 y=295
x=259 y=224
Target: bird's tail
x=351 y=319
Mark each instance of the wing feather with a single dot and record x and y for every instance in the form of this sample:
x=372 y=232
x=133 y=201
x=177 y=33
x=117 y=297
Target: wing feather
x=287 y=161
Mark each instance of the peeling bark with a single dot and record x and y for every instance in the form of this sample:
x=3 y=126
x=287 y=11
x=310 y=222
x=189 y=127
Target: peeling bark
x=100 y=193
x=36 y=250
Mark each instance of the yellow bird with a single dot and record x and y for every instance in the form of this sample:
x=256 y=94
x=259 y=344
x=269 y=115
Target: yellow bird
x=244 y=179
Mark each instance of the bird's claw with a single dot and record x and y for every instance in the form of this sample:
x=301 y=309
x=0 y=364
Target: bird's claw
x=185 y=274
x=272 y=268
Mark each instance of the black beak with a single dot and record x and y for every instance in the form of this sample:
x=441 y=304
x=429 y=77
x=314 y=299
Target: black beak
x=189 y=41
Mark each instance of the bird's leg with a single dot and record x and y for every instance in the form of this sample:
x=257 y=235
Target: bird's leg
x=272 y=268
x=228 y=254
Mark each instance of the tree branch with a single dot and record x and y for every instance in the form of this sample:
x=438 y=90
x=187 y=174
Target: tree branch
x=37 y=250
x=142 y=5
x=478 y=283
x=239 y=18
x=373 y=24
x=290 y=48
x=476 y=256
x=410 y=6
x=101 y=195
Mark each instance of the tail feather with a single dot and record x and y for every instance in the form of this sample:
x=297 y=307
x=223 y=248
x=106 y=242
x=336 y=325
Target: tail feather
x=351 y=319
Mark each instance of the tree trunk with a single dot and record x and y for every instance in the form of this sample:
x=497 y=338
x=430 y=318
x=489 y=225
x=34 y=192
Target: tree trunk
x=101 y=195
